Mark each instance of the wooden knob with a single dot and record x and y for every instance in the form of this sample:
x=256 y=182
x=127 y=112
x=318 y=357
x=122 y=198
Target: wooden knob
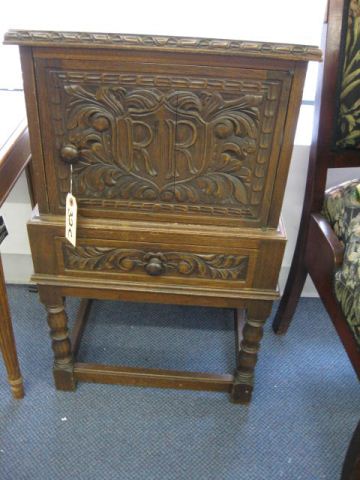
x=70 y=153
x=154 y=266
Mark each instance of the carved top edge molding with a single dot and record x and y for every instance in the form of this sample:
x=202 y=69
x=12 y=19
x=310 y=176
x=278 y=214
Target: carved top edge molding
x=162 y=43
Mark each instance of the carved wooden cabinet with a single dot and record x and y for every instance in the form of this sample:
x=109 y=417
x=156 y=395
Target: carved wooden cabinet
x=178 y=151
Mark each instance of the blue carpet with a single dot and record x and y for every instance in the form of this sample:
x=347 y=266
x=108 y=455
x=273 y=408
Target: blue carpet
x=304 y=409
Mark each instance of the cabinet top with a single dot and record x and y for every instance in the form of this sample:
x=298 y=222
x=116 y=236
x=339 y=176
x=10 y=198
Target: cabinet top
x=38 y=38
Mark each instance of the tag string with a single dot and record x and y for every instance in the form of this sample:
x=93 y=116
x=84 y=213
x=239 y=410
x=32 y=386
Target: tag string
x=71 y=178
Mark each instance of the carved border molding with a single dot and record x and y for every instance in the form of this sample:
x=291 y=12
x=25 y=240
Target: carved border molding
x=117 y=40
x=154 y=263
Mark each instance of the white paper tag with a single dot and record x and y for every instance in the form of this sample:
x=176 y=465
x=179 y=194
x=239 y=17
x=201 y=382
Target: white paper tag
x=71 y=219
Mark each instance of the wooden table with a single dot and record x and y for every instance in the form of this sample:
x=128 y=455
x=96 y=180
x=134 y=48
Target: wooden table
x=14 y=157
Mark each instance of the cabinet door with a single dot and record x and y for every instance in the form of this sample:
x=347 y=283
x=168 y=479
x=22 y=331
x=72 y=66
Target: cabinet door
x=150 y=141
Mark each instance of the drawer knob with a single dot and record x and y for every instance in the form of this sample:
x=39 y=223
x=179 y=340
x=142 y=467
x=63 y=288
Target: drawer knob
x=154 y=266
x=69 y=153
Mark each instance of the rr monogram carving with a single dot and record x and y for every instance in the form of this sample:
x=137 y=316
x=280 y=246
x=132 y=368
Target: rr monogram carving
x=124 y=260
x=205 y=147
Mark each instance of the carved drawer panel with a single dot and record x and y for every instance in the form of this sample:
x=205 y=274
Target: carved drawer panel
x=157 y=142
x=157 y=263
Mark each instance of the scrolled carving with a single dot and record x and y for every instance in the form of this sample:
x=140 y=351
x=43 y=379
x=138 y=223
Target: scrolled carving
x=119 y=151
x=125 y=260
x=100 y=123
x=145 y=147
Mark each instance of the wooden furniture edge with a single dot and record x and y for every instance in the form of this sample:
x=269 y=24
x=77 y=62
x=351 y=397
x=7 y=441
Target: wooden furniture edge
x=322 y=273
x=278 y=233
x=15 y=156
x=32 y=110
x=116 y=286
x=351 y=465
x=7 y=343
x=149 y=377
x=333 y=245
x=12 y=139
x=332 y=251
x=322 y=157
x=38 y=38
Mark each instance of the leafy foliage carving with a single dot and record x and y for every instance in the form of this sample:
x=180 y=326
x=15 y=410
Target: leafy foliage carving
x=228 y=128
x=125 y=260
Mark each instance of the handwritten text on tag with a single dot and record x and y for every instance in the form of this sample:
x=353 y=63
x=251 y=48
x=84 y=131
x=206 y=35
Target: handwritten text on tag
x=71 y=219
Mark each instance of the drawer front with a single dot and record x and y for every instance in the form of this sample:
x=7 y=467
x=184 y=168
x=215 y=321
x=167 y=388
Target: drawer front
x=157 y=142
x=158 y=263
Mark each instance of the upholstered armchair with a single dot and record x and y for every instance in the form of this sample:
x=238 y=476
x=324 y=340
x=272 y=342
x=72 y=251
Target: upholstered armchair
x=342 y=211
x=328 y=244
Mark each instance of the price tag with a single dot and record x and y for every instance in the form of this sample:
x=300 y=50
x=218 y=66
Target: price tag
x=71 y=219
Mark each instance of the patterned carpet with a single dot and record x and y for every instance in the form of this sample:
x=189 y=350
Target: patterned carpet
x=304 y=409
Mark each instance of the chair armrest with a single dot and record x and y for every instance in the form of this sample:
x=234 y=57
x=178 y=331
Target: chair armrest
x=324 y=254
x=332 y=249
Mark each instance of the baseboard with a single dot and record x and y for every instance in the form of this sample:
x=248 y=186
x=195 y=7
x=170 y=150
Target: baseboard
x=18 y=268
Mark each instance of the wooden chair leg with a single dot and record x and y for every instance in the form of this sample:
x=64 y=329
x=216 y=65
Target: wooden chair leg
x=7 y=342
x=57 y=319
x=293 y=288
x=249 y=337
x=351 y=465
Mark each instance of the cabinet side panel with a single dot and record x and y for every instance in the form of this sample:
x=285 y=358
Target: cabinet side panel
x=293 y=109
x=39 y=178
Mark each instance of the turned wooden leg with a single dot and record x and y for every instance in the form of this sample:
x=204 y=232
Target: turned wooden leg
x=7 y=342
x=57 y=319
x=249 y=333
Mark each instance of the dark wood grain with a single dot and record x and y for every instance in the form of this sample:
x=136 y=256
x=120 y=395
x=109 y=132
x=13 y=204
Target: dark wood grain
x=60 y=341
x=322 y=239
x=160 y=131
x=318 y=259
x=14 y=157
x=146 y=377
x=351 y=465
x=178 y=150
x=322 y=157
x=7 y=342
x=251 y=335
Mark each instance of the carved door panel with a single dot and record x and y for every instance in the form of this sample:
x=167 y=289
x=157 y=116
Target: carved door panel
x=163 y=146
